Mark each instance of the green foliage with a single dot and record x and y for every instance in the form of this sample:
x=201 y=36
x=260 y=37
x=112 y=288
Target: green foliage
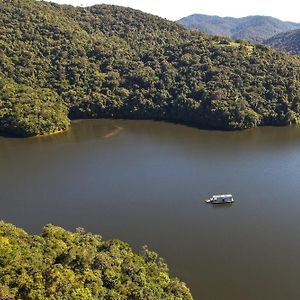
x=61 y=265
x=113 y=62
x=26 y=111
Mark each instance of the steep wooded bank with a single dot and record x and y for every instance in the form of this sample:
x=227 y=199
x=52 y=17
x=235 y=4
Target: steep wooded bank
x=61 y=265
x=107 y=61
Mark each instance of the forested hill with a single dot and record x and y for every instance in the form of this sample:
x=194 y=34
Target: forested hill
x=251 y=28
x=287 y=41
x=60 y=62
x=59 y=264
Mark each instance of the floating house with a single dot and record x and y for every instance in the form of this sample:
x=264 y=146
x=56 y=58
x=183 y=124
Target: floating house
x=220 y=199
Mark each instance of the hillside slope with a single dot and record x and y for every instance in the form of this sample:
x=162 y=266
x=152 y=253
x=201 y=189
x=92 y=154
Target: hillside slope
x=59 y=62
x=287 y=41
x=251 y=28
x=59 y=264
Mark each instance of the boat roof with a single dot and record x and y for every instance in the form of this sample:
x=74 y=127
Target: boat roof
x=223 y=196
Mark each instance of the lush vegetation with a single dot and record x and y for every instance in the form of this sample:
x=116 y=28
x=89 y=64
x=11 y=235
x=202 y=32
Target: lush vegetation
x=252 y=28
x=287 y=41
x=28 y=111
x=61 y=265
x=59 y=62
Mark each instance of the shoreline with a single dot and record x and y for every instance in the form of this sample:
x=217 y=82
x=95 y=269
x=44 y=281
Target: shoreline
x=118 y=128
x=50 y=133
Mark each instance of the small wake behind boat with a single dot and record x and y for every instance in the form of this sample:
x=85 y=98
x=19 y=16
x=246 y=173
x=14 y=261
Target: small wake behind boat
x=220 y=199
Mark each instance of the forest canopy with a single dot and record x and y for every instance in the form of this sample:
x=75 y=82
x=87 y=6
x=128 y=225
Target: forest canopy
x=63 y=265
x=59 y=62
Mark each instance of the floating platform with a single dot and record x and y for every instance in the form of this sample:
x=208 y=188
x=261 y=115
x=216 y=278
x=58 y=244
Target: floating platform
x=220 y=199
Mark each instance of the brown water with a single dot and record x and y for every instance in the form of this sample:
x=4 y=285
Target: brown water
x=144 y=182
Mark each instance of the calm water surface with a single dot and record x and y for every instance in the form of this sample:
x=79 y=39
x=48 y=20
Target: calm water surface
x=144 y=182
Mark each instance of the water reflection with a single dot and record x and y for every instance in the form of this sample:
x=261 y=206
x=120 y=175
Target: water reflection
x=222 y=206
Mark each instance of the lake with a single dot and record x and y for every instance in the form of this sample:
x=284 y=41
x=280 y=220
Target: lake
x=144 y=182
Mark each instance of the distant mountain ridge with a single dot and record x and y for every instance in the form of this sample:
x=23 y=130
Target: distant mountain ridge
x=286 y=41
x=252 y=28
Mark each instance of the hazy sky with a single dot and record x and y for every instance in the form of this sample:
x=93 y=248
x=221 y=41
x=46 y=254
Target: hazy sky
x=287 y=10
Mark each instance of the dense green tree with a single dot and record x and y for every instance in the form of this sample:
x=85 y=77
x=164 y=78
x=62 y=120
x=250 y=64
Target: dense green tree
x=25 y=111
x=61 y=265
